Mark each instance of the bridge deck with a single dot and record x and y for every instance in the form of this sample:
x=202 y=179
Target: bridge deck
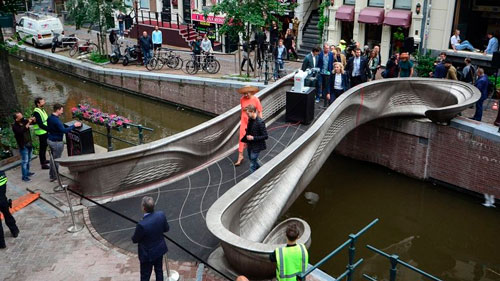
x=186 y=201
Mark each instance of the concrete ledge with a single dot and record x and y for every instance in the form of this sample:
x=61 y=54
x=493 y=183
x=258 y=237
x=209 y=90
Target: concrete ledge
x=477 y=128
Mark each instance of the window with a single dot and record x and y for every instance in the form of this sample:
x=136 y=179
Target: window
x=376 y=3
x=128 y=3
x=350 y=2
x=144 y=4
x=402 y=4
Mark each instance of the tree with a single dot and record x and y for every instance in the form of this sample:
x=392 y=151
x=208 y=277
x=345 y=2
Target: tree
x=8 y=96
x=243 y=16
x=96 y=13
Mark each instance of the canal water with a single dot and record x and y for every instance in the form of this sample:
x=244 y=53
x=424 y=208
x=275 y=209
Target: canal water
x=32 y=81
x=441 y=231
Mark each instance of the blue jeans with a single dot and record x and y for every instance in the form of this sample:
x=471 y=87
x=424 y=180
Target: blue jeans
x=121 y=25
x=279 y=64
x=464 y=45
x=147 y=55
x=25 y=161
x=254 y=161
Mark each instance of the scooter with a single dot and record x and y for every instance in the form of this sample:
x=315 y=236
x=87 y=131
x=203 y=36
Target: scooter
x=59 y=41
x=132 y=53
x=116 y=55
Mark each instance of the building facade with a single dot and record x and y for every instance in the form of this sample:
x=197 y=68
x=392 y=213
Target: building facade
x=428 y=24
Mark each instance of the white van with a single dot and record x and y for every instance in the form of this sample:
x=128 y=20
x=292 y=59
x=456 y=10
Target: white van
x=39 y=28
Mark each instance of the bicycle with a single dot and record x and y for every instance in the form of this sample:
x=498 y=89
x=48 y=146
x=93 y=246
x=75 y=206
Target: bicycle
x=205 y=62
x=169 y=58
x=86 y=47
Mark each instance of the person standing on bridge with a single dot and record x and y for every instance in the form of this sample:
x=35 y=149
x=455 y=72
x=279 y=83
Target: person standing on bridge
x=41 y=131
x=255 y=137
x=482 y=84
x=149 y=237
x=247 y=98
x=291 y=259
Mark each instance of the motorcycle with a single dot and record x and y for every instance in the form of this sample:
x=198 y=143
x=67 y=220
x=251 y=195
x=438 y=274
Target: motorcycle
x=132 y=53
x=59 y=41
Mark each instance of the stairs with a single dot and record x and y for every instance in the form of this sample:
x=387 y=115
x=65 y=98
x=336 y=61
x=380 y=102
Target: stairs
x=310 y=35
x=188 y=36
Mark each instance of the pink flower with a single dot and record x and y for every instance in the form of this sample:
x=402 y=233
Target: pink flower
x=74 y=109
x=101 y=119
x=112 y=115
x=119 y=123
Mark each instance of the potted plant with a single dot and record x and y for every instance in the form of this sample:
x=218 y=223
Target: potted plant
x=398 y=37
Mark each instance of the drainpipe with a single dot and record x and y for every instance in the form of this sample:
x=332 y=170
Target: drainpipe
x=426 y=24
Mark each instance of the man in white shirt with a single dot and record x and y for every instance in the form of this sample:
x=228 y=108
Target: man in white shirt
x=457 y=44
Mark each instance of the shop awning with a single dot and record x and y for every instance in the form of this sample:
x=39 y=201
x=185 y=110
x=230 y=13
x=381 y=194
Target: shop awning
x=398 y=18
x=345 y=13
x=210 y=18
x=371 y=15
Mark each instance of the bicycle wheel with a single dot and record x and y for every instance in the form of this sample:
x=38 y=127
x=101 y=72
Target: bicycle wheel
x=211 y=67
x=181 y=63
x=151 y=65
x=218 y=65
x=160 y=64
x=92 y=47
x=73 y=50
x=172 y=62
x=191 y=67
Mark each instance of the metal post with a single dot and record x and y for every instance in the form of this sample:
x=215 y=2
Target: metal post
x=352 y=251
x=157 y=21
x=74 y=227
x=172 y=275
x=141 y=135
x=109 y=137
x=393 y=271
x=178 y=24
x=266 y=67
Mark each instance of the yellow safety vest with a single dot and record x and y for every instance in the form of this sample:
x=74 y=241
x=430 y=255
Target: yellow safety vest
x=39 y=131
x=290 y=262
x=3 y=180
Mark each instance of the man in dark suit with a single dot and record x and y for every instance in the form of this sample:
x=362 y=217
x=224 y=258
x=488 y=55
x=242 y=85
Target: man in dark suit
x=149 y=234
x=311 y=60
x=325 y=65
x=357 y=67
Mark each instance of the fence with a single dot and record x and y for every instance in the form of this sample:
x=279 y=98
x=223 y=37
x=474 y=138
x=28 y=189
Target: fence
x=110 y=137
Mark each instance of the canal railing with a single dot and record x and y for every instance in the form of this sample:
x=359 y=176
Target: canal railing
x=351 y=266
x=109 y=136
x=394 y=259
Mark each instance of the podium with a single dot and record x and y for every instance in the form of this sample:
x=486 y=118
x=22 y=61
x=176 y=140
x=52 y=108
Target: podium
x=79 y=141
x=300 y=106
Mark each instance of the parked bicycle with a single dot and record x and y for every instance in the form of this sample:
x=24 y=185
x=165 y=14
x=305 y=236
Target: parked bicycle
x=83 y=48
x=205 y=62
x=165 y=57
x=61 y=41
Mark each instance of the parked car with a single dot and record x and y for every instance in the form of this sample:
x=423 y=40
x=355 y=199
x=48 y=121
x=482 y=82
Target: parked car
x=39 y=28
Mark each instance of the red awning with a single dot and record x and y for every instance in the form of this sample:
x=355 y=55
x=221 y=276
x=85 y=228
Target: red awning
x=371 y=15
x=345 y=13
x=398 y=18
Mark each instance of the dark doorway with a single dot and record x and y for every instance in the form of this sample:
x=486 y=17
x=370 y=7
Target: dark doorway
x=346 y=31
x=186 y=8
x=373 y=35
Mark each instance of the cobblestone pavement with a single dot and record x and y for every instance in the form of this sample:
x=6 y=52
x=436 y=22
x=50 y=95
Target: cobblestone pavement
x=44 y=250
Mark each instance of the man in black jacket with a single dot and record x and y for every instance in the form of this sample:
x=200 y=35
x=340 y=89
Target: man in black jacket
x=311 y=60
x=4 y=209
x=146 y=46
x=357 y=67
x=255 y=137
x=21 y=129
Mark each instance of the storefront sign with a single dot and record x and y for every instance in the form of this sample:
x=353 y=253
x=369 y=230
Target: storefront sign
x=209 y=19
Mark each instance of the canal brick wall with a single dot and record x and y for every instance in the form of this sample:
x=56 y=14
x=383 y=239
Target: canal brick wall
x=465 y=154
x=212 y=96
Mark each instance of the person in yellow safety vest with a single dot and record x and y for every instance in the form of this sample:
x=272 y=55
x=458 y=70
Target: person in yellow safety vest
x=41 y=131
x=4 y=208
x=291 y=259
x=342 y=45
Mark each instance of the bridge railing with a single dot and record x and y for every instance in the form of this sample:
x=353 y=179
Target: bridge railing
x=394 y=259
x=351 y=266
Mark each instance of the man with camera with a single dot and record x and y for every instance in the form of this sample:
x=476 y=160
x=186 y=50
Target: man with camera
x=21 y=129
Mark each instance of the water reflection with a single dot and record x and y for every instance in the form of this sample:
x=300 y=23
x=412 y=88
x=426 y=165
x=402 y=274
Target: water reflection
x=443 y=232
x=32 y=81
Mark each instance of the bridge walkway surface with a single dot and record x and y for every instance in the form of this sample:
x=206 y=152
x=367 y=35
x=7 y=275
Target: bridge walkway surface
x=187 y=200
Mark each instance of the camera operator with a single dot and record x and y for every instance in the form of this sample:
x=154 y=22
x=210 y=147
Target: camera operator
x=349 y=51
x=21 y=129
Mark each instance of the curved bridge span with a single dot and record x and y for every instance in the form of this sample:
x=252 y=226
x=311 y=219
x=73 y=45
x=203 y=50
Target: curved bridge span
x=243 y=218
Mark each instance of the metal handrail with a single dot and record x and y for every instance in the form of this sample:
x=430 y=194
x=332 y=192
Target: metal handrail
x=351 y=266
x=394 y=259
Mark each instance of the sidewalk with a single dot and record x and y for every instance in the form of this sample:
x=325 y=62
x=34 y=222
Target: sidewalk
x=44 y=250
x=229 y=62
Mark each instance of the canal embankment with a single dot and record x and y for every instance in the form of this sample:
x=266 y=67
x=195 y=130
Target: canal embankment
x=208 y=95
x=465 y=154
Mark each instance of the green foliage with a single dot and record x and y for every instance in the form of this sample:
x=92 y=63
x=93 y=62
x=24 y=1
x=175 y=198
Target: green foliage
x=323 y=19
x=8 y=139
x=241 y=14
x=12 y=6
x=11 y=47
x=492 y=81
x=425 y=64
x=93 y=12
x=398 y=35
x=98 y=58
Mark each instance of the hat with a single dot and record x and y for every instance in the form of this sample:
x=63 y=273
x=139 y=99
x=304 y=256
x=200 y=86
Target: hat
x=342 y=41
x=248 y=89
